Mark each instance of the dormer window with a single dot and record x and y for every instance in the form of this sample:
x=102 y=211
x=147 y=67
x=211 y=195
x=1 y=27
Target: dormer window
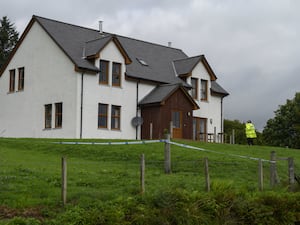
x=116 y=74
x=194 y=91
x=204 y=90
x=143 y=62
x=103 y=76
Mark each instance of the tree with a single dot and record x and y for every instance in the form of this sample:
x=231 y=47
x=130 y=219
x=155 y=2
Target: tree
x=239 y=132
x=284 y=128
x=8 y=39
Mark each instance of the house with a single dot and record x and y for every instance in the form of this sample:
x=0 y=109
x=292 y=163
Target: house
x=67 y=81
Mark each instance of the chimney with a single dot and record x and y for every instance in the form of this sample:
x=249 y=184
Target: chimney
x=169 y=44
x=100 y=26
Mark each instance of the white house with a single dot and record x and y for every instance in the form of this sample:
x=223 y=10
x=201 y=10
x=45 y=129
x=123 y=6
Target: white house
x=67 y=81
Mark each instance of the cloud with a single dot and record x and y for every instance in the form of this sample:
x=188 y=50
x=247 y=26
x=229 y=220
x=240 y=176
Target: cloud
x=253 y=46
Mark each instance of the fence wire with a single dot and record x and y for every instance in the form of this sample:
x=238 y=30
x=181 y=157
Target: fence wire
x=105 y=178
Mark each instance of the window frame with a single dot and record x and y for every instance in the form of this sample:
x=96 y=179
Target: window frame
x=116 y=75
x=204 y=90
x=58 y=114
x=102 y=115
x=104 y=74
x=115 y=118
x=48 y=116
x=12 y=80
x=21 y=77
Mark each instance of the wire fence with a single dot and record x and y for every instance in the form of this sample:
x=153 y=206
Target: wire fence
x=106 y=178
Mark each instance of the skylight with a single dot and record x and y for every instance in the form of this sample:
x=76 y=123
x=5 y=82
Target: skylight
x=141 y=61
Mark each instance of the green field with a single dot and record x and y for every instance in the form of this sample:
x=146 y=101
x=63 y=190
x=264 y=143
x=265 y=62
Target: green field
x=103 y=182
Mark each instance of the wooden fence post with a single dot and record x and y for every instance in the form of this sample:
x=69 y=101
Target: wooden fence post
x=151 y=131
x=291 y=173
x=233 y=136
x=260 y=175
x=215 y=134
x=64 y=180
x=167 y=155
x=142 y=174
x=273 y=170
x=206 y=172
x=171 y=129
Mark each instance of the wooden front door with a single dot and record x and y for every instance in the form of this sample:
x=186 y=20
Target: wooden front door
x=177 y=124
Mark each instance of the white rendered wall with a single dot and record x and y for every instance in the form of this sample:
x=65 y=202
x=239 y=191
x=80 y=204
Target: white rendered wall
x=49 y=78
x=124 y=96
x=211 y=108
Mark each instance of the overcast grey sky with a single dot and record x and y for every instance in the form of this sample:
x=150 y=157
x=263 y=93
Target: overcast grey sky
x=253 y=46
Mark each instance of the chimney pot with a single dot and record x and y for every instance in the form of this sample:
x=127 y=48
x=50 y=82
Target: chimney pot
x=100 y=26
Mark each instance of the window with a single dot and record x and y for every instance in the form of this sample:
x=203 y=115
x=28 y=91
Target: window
x=203 y=130
x=176 y=119
x=204 y=90
x=115 y=117
x=48 y=116
x=143 y=62
x=12 y=75
x=58 y=115
x=194 y=82
x=116 y=74
x=21 y=79
x=103 y=76
x=102 y=115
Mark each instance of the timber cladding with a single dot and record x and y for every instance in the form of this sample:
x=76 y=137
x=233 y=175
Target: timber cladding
x=157 y=117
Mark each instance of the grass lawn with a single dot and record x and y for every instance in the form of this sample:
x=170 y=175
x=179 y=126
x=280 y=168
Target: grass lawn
x=30 y=170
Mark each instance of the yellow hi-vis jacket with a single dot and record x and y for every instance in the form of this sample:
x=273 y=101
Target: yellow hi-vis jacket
x=250 y=130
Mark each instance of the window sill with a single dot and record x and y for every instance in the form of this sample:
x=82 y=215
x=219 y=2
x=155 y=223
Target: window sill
x=110 y=86
x=54 y=128
x=102 y=128
x=13 y=92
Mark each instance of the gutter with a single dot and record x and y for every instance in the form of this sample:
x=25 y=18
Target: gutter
x=137 y=105
x=222 y=122
x=81 y=106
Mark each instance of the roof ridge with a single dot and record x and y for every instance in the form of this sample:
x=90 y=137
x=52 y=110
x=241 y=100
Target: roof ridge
x=148 y=42
x=66 y=23
x=108 y=33
x=100 y=38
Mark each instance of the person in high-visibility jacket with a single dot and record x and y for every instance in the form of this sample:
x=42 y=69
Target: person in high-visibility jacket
x=250 y=132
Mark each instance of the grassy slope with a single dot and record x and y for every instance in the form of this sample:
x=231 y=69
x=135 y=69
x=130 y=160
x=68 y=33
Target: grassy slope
x=30 y=170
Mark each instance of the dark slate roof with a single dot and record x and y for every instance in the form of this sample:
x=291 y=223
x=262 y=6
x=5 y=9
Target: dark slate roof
x=216 y=88
x=185 y=66
x=162 y=93
x=76 y=41
x=93 y=47
x=148 y=61
x=159 y=60
x=71 y=39
x=159 y=94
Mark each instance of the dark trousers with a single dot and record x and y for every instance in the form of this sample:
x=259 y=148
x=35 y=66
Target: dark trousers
x=250 y=141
